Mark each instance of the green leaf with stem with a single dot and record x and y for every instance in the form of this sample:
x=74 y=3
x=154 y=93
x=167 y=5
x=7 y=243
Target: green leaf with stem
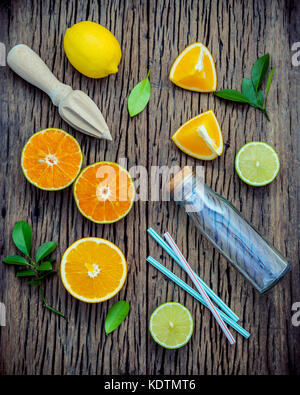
x=16 y=260
x=116 y=315
x=48 y=306
x=22 y=237
x=251 y=92
x=45 y=250
x=139 y=96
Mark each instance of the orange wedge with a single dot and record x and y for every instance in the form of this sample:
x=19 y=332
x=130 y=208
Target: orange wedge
x=194 y=69
x=104 y=192
x=200 y=137
x=51 y=159
x=93 y=269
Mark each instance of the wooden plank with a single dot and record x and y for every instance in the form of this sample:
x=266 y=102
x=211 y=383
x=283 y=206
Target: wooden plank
x=152 y=34
x=235 y=34
x=78 y=345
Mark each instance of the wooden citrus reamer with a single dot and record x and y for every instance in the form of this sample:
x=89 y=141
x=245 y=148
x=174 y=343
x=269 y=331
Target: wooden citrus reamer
x=74 y=106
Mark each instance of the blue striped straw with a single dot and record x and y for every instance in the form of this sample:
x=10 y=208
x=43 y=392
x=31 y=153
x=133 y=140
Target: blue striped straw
x=196 y=295
x=209 y=291
x=199 y=287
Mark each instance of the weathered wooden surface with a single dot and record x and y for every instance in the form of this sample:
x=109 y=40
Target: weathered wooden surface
x=152 y=33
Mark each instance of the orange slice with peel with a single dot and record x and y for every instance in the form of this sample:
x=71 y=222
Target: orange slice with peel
x=93 y=270
x=104 y=192
x=194 y=69
x=51 y=159
x=200 y=137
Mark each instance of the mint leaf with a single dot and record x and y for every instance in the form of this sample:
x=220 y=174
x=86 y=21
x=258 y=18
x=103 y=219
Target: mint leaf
x=259 y=70
x=249 y=91
x=15 y=260
x=116 y=315
x=233 y=95
x=139 y=97
x=22 y=237
x=45 y=250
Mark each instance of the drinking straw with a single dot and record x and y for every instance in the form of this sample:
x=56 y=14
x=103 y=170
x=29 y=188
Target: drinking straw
x=208 y=290
x=197 y=284
x=196 y=295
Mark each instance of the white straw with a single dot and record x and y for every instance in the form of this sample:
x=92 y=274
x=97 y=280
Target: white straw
x=190 y=272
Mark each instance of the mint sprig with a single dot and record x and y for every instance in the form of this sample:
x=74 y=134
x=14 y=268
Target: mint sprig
x=251 y=88
x=40 y=268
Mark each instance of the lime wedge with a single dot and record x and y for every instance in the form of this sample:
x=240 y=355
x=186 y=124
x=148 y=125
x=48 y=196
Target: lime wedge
x=171 y=325
x=257 y=163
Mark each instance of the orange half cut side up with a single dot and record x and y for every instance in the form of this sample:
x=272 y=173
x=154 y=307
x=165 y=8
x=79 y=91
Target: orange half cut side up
x=93 y=269
x=51 y=159
x=104 y=192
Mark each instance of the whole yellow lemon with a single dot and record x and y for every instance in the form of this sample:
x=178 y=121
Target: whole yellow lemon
x=92 y=49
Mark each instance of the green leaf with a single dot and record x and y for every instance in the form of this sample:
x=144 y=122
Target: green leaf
x=44 y=266
x=139 y=97
x=45 y=250
x=15 y=260
x=259 y=70
x=26 y=273
x=35 y=282
x=270 y=78
x=116 y=315
x=249 y=91
x=260 y=97
x=232 y=95
x=22 y=237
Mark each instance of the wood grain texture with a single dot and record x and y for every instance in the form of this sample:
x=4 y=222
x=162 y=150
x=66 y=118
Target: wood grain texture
x=152 y=33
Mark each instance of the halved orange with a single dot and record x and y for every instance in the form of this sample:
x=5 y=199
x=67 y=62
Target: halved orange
x=51 y=159
x=93 y=269
x=104 y=192
x=194 y=69
x=200 y=137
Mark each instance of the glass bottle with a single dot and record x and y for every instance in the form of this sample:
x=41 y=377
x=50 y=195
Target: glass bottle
x=229 y=231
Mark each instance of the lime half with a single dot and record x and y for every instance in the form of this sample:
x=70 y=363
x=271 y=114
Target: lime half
x=171 y=325
x=257 y=163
